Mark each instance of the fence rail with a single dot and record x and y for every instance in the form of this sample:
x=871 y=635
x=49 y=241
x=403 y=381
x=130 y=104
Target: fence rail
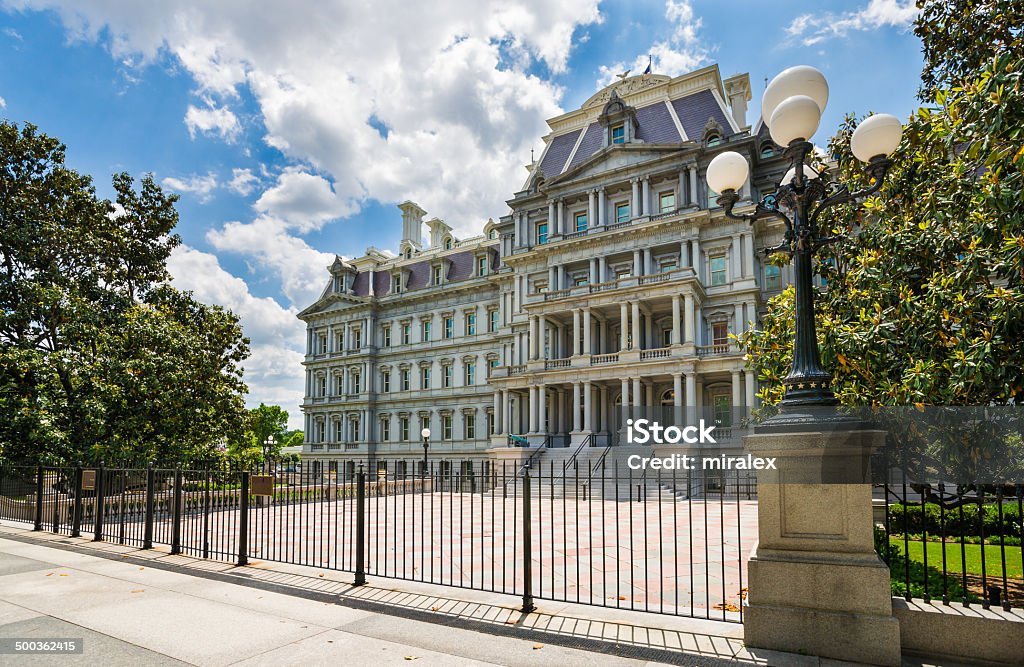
x=600 y=535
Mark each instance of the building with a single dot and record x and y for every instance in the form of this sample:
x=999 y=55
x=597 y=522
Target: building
x=614 y=280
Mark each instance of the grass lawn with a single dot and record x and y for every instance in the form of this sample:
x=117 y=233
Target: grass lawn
x=972 y=552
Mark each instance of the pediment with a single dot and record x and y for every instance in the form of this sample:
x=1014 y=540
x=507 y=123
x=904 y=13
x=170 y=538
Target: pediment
x=617 y=157
x=332 y=302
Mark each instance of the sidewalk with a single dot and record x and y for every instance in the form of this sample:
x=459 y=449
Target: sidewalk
x=136 y=607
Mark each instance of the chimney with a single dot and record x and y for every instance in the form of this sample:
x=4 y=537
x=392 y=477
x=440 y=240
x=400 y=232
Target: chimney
x=412 y=222
x=737 y=89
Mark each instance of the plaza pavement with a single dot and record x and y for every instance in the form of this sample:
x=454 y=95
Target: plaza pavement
x=136 y=607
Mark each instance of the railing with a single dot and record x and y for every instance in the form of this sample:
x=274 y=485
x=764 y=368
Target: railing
x=550 y=364
x=597 y=359
x=717 y=349
x=467 y=524
x=557 y=294
x=518 y=369
x=575 y=235
x=956 y=543
x=572 y=459
x=657 y=353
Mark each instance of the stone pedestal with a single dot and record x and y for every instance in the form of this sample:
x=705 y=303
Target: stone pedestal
x=816 y=585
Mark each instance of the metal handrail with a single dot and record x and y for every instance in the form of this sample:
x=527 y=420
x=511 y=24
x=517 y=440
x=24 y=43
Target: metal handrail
x=572 y=459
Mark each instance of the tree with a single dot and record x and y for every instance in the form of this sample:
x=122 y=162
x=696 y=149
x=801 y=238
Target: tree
x=925 y=300
x=99 y=355
x=262 y=424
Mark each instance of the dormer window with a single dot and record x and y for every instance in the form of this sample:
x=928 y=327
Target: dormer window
x=714 y=139
x=767 y=150
x=619 y=134
x=618 y=120
x=448 y=243
x=493 y=234
x=408 y=253
x=437 y=275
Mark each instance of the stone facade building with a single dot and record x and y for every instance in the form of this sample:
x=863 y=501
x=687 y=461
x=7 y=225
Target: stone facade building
x=614 y=280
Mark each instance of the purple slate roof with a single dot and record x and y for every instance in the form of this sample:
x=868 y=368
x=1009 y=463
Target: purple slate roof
x=461 y=266
x=654 y=125
x=591 y=143
x=558 y=153
x=694 y=111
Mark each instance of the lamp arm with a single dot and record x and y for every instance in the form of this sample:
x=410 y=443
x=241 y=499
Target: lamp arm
x=876 y=169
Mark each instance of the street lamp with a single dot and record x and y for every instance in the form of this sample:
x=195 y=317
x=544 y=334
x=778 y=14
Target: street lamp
x=268 y=444
x=792 y=105
x=425 y=433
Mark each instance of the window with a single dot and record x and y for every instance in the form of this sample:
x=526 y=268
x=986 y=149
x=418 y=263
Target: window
x=542 y=233
x=580 y=280
x=718 y=270
x=470 y=374
x=622 y=273
x=622 y=212
x=492 y=364
x=424 y=422
x=403 y=379
x=470 y=324
x=403 y=428
x=666 y=337
x=667 y=265
x=322 y=385
x=723 y=410
x=448 y=374
x=357 y=339
x=449 y=326
x=720 y=334
x=405 y=333
x=619 y=134
x=385 y=381
x=767 y=150
x=339 y=341
x=581 y=222
x=387 y=336
x=448 y=243
x=385 y=429
x=437 y=275
x=446 y=427
x=492 y=321
x=772 y=277
x=714 y=139
x=712 y=198
x=493 y=234
x=396 y=280
x=357 y=385
x=470 y=427
x=321 y=430
x=426 y=331
x=481 y=266
x=425 y=377
x=667 y=201
x=322 y=344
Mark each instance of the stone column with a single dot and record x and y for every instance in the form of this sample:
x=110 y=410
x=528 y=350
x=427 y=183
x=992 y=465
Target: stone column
x=507 y=395
x=751 y=385
x=623 y=325
x=625 y=392
x=552 y=278
x=638 y=396
x=736 y=390
x=691 y=390
x=602 y=270
x=648 y=268
x=497 y=411
x=676 y=309
x=542 y=332
x=684 y=254
x=637 y=266
x=588 y=421
x=560 y=226
x=646 y=200
x=592 y=275
x=677 y=390
x=575 y=332
x=698 y=261
x=735 y=266
x=636 y=325
x=533 y=409
x=576 y=407
x=591 y=208
x=693 y=186
x=698 y=326
x=817 y=587
x=542 y=409
x=587 y=323
x=680 y=198
x=533 y=338
x=600 y=207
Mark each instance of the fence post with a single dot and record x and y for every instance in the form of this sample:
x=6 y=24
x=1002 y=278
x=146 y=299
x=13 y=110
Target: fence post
x=38 y=525
x=360 y=527
x=243 y=522
x=176 y=514
x=528 y=605
x=147 y=539
x=76 y=508
x=97 y=533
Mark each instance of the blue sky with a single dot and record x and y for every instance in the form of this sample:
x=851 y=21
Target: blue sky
x=291 y=129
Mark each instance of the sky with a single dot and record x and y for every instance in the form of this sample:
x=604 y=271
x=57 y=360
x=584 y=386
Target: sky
x=292 y=128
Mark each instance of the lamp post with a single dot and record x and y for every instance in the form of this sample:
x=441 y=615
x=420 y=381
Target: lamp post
x=267 y=446
x=792 y=106
x=425 y=434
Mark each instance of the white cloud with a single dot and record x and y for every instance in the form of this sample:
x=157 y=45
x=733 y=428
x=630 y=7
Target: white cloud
x=3 y=103
x=242 y=182
x=212 y=121
x=305 y=201
x=201 y=186
x=681 y=52
x=301 y=269
x=448 y=80
x=274 y=371
x=811 y=29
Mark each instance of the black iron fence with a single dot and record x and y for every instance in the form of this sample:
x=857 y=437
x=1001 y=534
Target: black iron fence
x=955 y=543
x=603 y=535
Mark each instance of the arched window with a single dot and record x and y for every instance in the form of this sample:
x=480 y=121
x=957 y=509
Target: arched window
x=448 y=243
x=714 y=139
x=767 y=150
x=493 y=234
